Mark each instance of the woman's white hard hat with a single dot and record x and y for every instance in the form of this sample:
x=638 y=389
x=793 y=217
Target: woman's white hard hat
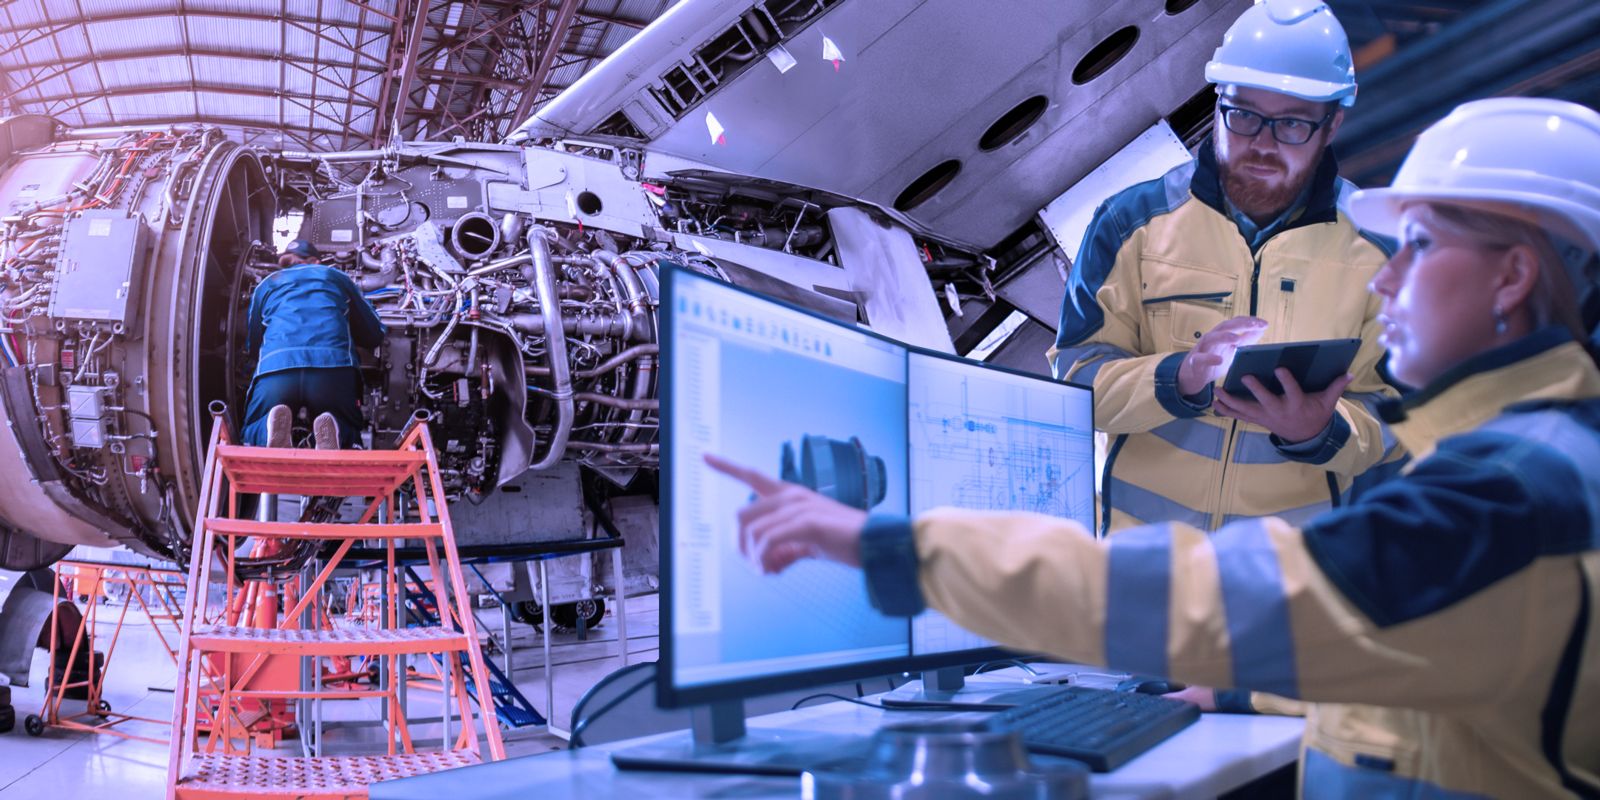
x=1537 y=155
x=1532 y=158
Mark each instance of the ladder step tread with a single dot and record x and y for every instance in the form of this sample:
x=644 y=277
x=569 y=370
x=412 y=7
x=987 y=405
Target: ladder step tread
x=215 y=775
x=323 y=530
x=234 y=455
x=348 y=641
x=337 y=473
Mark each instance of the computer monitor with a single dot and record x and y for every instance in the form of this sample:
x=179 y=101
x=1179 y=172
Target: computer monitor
x=989 y=439
x=866 y=420
x=801 y=397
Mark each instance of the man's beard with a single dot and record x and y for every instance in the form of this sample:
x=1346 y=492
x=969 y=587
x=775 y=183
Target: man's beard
x=1256 y=197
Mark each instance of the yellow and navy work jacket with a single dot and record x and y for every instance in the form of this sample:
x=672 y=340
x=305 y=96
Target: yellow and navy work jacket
x=1161 y=264
x=1459 y=595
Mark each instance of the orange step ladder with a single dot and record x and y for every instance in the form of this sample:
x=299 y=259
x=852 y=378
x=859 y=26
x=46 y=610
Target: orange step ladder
x=224 y=764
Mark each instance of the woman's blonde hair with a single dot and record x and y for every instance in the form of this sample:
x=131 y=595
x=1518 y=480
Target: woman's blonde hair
x=1553 y=300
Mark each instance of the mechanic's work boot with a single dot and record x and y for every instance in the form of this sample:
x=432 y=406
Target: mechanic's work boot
x=325 y=429
x=279 y=421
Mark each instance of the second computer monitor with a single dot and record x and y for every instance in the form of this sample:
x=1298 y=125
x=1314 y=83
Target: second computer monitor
x=989 y=439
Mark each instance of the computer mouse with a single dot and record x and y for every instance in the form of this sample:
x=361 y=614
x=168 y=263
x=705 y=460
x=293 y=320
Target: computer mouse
x=1144 y=684
x=1159 y=687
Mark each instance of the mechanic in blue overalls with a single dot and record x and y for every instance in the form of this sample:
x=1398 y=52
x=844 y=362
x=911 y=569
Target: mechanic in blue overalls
x=305 y=322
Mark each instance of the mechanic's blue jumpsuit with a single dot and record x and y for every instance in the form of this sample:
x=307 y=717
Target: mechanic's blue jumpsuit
x=305 y=322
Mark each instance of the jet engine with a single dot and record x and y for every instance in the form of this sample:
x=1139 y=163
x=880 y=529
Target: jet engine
x=518 y=285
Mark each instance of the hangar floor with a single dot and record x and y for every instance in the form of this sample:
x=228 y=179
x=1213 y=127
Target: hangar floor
x=64 y=763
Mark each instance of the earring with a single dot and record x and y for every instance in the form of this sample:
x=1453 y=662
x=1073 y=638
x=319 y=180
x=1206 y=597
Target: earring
x=1499 y=322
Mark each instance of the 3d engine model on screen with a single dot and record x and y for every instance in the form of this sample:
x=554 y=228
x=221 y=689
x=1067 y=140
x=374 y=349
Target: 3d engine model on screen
x=518 y=285
x=842 y=470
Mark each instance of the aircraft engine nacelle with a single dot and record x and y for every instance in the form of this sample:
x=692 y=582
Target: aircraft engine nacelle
x=518 y=285
x=120 y=254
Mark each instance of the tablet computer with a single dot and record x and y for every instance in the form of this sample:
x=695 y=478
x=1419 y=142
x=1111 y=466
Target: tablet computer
x=1314 y=365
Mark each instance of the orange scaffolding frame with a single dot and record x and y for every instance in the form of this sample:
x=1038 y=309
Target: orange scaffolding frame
x=198 y=770
x=95 y=580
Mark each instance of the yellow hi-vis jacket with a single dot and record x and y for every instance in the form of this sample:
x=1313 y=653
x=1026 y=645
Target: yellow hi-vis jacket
x=1460 y=594
x=1162 y=263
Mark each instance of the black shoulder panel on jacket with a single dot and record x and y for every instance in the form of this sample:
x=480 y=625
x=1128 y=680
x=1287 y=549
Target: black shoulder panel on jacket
x=1480 y=508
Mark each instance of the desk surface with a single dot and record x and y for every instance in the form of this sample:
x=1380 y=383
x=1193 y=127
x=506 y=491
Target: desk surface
x=1218 y=753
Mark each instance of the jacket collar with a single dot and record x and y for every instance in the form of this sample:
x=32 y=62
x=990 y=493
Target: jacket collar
x=1544 y=365
x=1322 y=205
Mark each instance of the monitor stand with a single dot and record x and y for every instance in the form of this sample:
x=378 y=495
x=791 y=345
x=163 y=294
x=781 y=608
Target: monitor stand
x=718 y=741
x=948 y=688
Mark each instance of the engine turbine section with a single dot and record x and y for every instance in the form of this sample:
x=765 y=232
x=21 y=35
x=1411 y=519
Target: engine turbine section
x=520 y=293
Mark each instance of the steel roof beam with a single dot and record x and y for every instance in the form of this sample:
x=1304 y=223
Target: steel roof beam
x=393 y=57
x=314 y=31
x=349 y=109
x=507 y=54
x=240 y=91
x=480 y=91
x=51 y=27
x=355 y=87
x=283 y=72
x=36 y=79
x=248 y=123
x=365 y=8
x=614 y=20
x=552 y=45
x=551 y=89
x=99 y=78
x=205 y=52
x=468 y=77
x=454 y=47
x=408 y=67
x=6 y=108
x=311 y=108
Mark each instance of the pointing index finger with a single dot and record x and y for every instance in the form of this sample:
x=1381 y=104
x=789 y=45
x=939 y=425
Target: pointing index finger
x=761 y=482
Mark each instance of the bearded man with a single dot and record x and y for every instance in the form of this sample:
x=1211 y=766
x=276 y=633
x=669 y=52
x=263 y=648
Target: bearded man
x=1246 y=243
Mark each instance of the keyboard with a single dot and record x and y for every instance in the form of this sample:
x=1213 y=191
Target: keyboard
x=1100 y=728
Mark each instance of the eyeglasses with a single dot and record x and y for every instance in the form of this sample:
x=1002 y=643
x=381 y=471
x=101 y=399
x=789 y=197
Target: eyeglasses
x=1287 y=130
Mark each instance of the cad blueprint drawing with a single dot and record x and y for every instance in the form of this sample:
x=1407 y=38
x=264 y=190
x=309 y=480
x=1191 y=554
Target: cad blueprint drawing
x=1000 y=442
x=993 y=441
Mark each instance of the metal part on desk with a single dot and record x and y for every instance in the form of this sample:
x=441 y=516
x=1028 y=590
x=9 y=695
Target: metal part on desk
x=946 y=760
x=1219 y=753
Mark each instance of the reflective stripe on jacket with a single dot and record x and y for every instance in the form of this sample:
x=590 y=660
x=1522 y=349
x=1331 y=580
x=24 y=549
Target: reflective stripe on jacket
x=1460 y=595
x=1161 y=264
